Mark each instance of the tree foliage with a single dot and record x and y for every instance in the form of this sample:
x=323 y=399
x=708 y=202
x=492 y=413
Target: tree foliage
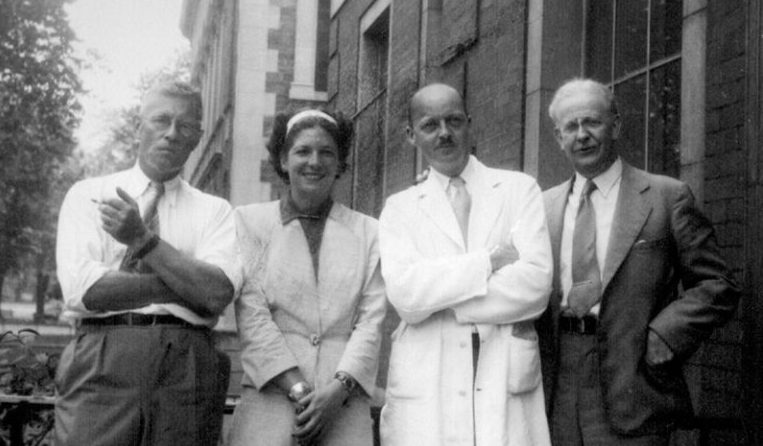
x=39 y=87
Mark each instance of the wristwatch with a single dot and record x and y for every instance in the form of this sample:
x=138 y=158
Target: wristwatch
x=347 y=381
x=299 y=391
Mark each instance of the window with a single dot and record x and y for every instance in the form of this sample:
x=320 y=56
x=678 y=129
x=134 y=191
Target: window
x=322 y=46
x=370 y=116
x=635 y=47
x=311 y=37
x=374 y=49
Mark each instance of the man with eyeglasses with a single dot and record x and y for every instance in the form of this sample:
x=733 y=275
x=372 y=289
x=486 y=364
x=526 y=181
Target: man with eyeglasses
x=639 y=284
x=466 y=260
x=146 y=264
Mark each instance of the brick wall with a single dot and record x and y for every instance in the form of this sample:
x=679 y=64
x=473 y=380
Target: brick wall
x=493 y=75
x=718 y=363
x=405 y=35
x=487 y=64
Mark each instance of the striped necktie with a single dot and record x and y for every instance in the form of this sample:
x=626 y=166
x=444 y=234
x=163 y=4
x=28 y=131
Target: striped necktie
x=150 y=218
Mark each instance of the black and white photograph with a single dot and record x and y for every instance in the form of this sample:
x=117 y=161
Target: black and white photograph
x=381 y=222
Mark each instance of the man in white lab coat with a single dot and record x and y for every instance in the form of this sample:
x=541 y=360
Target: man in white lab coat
x=467 y=263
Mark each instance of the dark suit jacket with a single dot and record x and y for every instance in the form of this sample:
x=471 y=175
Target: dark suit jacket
x=659 y=240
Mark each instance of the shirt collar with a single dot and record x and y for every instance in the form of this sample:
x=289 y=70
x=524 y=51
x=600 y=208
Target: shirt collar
x=468 y=175
x=137 y=184
x=605 y=181
x=290 y=212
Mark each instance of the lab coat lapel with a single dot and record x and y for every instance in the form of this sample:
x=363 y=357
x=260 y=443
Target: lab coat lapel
x=487 y=205
x=435 y=205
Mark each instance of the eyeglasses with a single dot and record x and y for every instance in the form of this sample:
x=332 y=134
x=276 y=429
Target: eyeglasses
x=162 y=123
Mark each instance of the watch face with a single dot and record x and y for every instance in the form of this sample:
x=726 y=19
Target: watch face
x=299 y=391
x=347 y=382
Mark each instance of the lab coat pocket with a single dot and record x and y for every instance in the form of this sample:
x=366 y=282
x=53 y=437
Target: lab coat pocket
x=524 y=364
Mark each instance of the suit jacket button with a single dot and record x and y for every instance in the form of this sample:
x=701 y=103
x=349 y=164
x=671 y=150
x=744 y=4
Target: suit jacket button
x=315 y=339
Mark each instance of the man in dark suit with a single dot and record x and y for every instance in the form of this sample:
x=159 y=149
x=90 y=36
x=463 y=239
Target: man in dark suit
x=639 y=283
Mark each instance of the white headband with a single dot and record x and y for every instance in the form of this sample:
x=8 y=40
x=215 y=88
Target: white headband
x=308 y=114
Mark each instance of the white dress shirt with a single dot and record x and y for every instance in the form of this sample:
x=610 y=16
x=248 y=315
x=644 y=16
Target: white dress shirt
x=467 y=175
x=193 y=222
x=604 y=200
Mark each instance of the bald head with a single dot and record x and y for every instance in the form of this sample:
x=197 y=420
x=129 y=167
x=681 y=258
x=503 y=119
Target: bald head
x=439 y=127
x=432 y=94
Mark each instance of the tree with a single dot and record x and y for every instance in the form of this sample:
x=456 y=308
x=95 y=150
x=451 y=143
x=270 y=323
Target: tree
x=39 y=106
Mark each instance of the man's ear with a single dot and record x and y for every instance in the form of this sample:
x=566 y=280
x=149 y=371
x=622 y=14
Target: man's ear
x=410 y=135
x=617 y=124
x=558 y=137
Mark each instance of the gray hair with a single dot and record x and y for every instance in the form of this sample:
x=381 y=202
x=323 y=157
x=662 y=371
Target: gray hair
x=574 y=85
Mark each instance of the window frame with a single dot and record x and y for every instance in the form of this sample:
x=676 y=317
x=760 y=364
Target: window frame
x=646 y=69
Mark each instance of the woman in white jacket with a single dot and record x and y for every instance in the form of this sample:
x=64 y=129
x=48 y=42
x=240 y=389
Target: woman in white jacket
x=311 y=307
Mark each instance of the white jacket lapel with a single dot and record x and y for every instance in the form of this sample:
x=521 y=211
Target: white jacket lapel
x=487 y=206
x=435 y=205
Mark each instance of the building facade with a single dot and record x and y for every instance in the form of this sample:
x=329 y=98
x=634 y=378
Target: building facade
x=687 y=74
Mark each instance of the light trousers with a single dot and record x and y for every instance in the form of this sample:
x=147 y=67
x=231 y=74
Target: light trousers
x=141 y=385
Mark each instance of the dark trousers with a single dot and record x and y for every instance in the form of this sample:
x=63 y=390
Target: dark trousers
x=577 y=417
x=141 y=385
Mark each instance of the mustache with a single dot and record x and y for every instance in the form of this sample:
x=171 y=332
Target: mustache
x=445 y=141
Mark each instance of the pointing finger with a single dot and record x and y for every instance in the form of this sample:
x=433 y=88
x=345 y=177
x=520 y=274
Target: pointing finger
x=125 y=196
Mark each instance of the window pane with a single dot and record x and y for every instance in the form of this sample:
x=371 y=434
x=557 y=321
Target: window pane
x=665 y=119
x=631 y=34
x=630 y=101
x=373 y=62
x=666 y=28
x=598 y=51
x=322 y=46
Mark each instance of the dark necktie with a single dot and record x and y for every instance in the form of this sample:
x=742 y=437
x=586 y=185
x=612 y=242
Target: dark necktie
x=150 y=218
x=461 y=202
x=586 y=277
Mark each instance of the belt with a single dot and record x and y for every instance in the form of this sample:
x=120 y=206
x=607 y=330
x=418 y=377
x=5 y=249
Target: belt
x=585 y=325
x=136 y=319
